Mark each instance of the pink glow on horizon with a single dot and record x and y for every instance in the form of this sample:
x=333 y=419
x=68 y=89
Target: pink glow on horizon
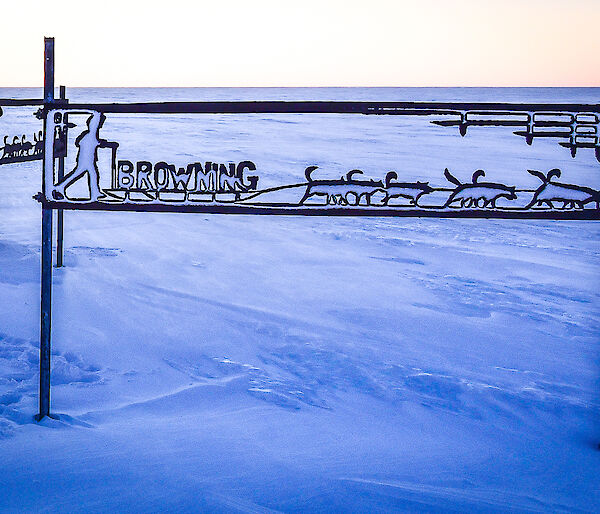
x=313 y=43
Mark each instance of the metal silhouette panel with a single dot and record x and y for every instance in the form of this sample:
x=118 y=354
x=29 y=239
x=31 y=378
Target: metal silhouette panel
x=101 y=178
x=574 y=130
x=21 y=147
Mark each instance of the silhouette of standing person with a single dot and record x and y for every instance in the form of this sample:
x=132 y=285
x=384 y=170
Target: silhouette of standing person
x=88 y=143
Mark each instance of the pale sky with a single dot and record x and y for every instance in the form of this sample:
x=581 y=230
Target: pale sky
x=305 y=43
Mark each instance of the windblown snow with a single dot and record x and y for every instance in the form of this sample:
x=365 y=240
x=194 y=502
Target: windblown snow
x=256 y=364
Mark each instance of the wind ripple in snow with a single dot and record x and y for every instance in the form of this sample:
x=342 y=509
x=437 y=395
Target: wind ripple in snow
x=19 y=371
x=303 y=374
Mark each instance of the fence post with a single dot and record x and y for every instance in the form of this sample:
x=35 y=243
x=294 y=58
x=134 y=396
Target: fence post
x=60 y=212
x=46 y=284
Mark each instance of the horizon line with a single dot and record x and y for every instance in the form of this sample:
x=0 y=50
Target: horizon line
x=318 y=87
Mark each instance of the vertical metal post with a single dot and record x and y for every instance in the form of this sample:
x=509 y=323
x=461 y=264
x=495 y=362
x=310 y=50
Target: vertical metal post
x=46 y=285
x=60 y=212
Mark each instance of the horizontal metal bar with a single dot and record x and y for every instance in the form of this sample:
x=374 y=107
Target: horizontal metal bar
x=481 y=123
x=10 y=102
x=585 y=214
x=402 y=108
x=535 y=134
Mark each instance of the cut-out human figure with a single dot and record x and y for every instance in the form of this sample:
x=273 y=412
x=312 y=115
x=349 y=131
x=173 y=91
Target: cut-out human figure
x=88 y=143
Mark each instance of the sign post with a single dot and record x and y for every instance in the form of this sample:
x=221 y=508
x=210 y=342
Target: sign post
x=46 y=285
x=60 y=212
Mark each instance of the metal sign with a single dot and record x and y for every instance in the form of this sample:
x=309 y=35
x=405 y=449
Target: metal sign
x=21 y=149
x=28 y=147
x=577 y=124
x=111 y=182
x=100 y=178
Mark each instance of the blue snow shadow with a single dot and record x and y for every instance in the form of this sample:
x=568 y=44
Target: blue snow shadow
x=19 y=368
x=18 y=263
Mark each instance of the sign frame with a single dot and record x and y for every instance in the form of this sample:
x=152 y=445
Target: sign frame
x=527 y=118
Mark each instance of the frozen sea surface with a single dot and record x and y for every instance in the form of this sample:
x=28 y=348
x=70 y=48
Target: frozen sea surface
x=255 y=364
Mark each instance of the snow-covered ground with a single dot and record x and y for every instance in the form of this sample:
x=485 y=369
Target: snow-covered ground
x=257 y=364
